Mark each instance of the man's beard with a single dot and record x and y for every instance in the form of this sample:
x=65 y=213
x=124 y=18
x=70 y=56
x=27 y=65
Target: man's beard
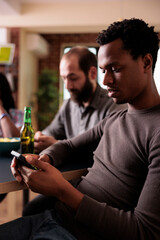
x=82 y=95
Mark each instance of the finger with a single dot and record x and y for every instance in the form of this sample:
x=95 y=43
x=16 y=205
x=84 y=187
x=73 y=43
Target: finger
x=39 y=164
x=44 y=158
x=14 y=162
x=16 y=174
x=37 y=135
x=31 y=156
x=36 y=146
x=26 y=172
x=23 y=171
x=15 y=171
x=42 y=138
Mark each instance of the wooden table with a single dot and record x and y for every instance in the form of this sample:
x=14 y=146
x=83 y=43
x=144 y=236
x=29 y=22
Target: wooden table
x=8 y=183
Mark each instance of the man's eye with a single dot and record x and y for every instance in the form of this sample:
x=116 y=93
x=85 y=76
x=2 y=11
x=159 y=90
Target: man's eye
x=115 y=69
x=103 y=71
x=73 y=79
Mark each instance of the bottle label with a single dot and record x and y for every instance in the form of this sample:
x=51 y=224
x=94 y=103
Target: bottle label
x=27 y=145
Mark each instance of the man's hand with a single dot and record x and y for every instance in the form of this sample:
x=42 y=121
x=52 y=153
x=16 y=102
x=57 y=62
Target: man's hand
x=41 y=141
x=16 y=169
x=49 y=181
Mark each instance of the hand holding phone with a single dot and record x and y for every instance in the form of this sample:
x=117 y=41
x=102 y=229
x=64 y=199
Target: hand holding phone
x=21 y=159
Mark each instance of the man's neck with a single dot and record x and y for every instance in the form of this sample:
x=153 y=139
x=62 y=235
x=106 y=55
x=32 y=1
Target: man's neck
x=149 y=103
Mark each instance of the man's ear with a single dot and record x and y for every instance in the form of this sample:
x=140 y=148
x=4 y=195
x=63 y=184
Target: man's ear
x=148 y=61
x=93 y=72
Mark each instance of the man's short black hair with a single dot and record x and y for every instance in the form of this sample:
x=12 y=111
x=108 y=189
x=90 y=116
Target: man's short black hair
x=138 y=38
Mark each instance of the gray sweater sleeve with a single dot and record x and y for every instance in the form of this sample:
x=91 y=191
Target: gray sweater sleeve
x=78 y=149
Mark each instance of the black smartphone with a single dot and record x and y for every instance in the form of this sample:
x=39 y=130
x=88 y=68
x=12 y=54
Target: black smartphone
x=22 y=160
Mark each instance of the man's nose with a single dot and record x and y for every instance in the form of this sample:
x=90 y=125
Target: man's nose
x=68 y=84
x=108 y=79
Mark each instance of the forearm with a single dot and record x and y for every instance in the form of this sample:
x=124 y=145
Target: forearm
x=76 y=149
x=7 y=125
x=8 y=128
x=70 y=196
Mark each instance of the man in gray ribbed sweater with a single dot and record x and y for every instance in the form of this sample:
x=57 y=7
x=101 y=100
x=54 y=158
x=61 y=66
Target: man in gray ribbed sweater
x=119 y=198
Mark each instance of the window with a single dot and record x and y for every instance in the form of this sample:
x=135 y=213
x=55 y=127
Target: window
x=157 y=72
x=3 y=35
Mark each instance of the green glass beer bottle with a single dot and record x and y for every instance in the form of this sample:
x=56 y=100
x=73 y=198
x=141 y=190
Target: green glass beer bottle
x=27 y=133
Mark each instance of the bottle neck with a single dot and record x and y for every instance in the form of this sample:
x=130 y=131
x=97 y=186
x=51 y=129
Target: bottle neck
x=27 y=116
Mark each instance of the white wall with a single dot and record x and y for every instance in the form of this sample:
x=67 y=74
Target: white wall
x=82 y=16
x=157 y=72
x=28 y=76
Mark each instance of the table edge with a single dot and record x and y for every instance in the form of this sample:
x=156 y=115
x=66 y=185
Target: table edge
x=12 y=186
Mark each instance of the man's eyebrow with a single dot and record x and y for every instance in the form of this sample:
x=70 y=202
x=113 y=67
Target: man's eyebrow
x=69 y=75
x=110 y=65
